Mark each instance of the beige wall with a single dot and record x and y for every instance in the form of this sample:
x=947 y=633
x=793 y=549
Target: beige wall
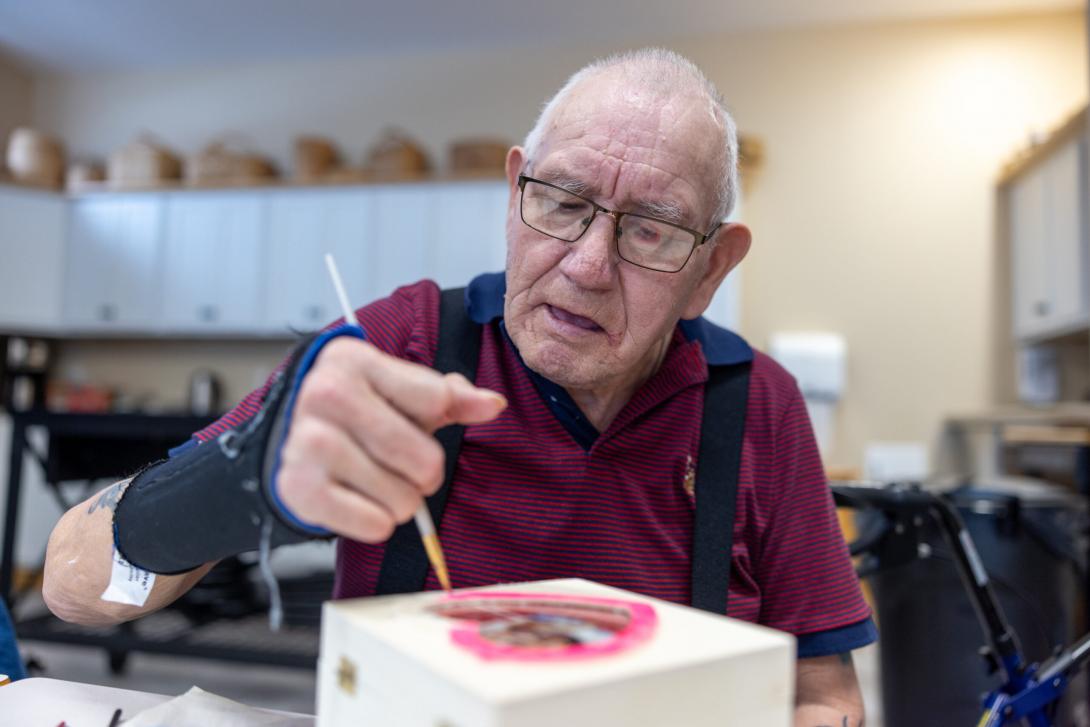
x=16 y=88
x=872 y=214
x=155 y=374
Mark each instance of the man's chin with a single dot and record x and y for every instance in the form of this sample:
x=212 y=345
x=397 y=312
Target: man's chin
x=560 y=365
x=571 y=363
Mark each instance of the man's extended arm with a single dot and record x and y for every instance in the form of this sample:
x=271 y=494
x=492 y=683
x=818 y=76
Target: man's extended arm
x=359 y=457
x=827 y=693
x=79 y=560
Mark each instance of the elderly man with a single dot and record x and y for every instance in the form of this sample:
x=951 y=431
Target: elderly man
x=582 y=440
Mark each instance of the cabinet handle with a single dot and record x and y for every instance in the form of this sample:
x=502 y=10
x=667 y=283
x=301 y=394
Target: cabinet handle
x=107 y=313
x=208 y=313
x=1041 y=307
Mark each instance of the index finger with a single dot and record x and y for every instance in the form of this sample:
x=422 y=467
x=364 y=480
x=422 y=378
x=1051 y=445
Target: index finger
x=428 y=398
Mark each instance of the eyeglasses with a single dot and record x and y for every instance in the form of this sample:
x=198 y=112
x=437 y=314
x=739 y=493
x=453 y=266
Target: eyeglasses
x=641 y=240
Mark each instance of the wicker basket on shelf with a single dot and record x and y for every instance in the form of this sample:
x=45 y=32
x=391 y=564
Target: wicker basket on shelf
x=142 y=163
x=220 y=164
x=346 y=175
x=315 y=157
x=83 y=175
x=478 y=156
x=35 y=158
x=397 y=156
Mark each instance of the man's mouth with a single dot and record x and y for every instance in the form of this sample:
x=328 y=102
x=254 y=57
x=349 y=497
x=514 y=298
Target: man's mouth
x=572 y=319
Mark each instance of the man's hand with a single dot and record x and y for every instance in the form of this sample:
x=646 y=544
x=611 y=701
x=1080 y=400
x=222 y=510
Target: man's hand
x=360 y=457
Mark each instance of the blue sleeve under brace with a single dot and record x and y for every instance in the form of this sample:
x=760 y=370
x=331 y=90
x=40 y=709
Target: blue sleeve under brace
x=214 y=500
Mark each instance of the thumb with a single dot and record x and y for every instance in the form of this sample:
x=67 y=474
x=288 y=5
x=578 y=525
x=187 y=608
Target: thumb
x=471 y=404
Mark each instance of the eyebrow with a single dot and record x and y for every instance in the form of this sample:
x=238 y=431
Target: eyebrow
x=667 y=211
x=565 y=181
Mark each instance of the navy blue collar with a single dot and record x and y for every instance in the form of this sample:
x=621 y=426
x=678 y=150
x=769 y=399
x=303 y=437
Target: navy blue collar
x=484 y=304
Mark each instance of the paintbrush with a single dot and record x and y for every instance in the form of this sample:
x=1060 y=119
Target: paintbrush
x=423 y=518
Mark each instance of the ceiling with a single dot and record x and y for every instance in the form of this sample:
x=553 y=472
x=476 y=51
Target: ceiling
x=90 y=35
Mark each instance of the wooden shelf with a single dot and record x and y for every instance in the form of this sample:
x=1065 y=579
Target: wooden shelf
x=1045 y=434
x=177 y=185
x=281 y=183
x=1076 y=414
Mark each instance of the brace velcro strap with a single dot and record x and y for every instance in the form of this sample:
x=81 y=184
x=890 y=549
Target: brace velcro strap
x=211 y=501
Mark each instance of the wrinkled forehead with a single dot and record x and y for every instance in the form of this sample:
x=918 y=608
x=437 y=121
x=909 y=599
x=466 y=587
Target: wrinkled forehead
x=619 y=139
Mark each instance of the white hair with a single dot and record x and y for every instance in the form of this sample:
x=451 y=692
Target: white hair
x=672 y=74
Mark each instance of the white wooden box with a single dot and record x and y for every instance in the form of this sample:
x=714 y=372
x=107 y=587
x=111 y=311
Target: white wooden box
x=387 y=662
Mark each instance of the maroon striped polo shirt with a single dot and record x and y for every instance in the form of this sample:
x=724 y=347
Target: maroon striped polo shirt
x=529 y=502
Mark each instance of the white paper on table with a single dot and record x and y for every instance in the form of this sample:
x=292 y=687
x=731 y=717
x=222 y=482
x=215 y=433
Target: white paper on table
x=198 y=708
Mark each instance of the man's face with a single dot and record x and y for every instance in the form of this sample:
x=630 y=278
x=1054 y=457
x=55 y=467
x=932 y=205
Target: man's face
x=578 y=314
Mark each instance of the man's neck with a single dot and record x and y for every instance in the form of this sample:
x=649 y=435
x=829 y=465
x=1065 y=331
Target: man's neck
x=601 y=405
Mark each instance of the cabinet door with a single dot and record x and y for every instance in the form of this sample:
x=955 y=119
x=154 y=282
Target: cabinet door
x=113 y=277
x=32 y=244
x=1028 y=231
x=303 y=226
x=1066 y=261
x=401 y=235
x=212 y=261
x=470 y=236
x=1049 y=246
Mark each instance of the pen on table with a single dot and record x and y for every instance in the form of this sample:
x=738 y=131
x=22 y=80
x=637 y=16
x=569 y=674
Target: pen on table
x=423 y=519
x=116 y=719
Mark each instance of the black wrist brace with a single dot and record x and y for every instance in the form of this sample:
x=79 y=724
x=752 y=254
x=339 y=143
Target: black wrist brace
x=212 y=500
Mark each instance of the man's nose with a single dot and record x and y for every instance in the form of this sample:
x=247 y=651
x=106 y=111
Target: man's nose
x=591 y=259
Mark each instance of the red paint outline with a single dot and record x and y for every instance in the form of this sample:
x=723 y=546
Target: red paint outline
x=466 y=634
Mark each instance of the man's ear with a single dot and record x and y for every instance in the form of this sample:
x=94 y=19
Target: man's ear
x=729 y=245
x=513 y=166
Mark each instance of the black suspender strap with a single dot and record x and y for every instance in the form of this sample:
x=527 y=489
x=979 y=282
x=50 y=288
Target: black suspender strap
x=405 y=564
x=721 y=434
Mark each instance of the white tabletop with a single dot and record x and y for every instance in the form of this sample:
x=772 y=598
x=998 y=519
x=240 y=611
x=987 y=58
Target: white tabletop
x=48 y=702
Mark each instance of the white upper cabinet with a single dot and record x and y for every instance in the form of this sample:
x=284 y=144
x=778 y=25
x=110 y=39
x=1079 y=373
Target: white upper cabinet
x=212 y=261
x=1065 y=177
x=234 y=262
x=1028 y=232
x=303 y=225
x=470 y=236
x=32 y=248
x=113 y=280
x=401 y=239
x=1049 y=252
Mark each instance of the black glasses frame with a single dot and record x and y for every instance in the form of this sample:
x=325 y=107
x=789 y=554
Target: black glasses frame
x=699 y=238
